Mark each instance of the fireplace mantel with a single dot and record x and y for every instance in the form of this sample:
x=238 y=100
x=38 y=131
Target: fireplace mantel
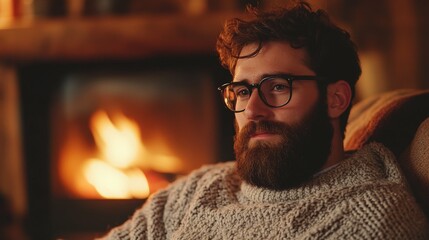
x=110 y=37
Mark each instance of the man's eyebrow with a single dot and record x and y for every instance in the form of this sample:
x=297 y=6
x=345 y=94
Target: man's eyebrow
x=264 y=76
x=276 y=74
x=245 y=80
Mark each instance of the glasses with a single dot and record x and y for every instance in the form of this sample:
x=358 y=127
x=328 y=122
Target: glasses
x=275 y=91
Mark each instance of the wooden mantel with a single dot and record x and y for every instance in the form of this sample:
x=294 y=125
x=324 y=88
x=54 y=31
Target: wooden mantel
x=110 y=37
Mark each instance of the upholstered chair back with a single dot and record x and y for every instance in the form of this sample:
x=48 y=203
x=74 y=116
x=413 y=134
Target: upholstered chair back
x=400 y=120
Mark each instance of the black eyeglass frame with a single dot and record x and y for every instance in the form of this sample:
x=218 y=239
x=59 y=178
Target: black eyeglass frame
x=250 y=87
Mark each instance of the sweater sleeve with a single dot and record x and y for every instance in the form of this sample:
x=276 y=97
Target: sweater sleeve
x=162 y=212
x=391 y=213
x=387 y=212
x=146 y=223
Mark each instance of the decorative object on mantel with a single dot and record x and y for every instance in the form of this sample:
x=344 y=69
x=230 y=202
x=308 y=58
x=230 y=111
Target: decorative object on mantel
x=15 y=10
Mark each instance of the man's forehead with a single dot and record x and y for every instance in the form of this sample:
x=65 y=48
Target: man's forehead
x=270 y=58
x=251 y=48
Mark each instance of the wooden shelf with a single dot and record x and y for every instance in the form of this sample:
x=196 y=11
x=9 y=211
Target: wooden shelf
x=110 y=37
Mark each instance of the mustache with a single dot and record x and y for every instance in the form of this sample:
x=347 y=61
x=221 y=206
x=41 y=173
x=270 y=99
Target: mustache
x=262 y=126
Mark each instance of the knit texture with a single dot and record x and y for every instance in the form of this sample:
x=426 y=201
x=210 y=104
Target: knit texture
x=363 y=197
x=415 y=163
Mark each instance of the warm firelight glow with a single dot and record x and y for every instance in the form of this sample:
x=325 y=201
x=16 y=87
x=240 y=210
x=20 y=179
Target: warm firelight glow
x=120 y=141
x=111 y=182
x=116 y=171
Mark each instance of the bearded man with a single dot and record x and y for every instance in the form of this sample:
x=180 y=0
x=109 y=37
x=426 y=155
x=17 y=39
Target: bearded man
x=294 y=74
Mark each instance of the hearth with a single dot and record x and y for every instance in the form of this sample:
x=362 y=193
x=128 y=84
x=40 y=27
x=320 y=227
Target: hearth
x=100 y=137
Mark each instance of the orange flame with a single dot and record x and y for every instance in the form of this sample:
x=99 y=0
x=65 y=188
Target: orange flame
x=116 y=173
x=110 y=182
x=119 y=143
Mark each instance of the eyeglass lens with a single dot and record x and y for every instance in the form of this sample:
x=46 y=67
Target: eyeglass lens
x=274 y=92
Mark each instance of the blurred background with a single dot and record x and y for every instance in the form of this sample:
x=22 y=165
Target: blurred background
x=103 y=102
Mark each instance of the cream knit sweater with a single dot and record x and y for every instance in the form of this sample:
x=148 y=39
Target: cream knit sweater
x=364 y=197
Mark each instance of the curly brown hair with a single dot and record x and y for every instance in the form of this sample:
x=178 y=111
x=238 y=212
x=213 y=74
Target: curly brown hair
x=331 y=53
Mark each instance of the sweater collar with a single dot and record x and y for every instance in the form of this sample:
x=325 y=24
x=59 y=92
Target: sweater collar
x=364 y=166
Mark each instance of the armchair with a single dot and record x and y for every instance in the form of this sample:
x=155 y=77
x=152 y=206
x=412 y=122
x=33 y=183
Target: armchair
x=400 y=120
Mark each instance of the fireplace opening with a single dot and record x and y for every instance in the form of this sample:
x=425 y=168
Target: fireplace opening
x=100 y=137
x=126 y=135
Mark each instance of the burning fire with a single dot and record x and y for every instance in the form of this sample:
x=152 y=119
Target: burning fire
x=114 y=183
x=116 y=172
x=119 y=143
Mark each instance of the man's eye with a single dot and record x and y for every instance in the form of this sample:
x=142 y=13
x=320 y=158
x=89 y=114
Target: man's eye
x=280 y=87
x=243 y=92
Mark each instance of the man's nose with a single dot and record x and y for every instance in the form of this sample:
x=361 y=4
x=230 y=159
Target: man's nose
x=256 y=109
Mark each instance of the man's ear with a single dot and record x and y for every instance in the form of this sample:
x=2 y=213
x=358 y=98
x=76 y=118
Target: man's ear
x=339 y=95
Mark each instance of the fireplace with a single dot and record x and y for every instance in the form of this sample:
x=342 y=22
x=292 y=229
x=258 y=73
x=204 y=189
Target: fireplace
x=101 y=136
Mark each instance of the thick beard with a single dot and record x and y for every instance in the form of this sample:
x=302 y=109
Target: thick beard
x=302 y=151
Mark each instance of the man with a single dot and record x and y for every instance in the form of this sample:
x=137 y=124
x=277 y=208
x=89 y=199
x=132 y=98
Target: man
x=293 y=81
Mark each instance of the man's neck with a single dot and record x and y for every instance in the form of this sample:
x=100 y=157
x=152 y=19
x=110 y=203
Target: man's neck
x=337 y=151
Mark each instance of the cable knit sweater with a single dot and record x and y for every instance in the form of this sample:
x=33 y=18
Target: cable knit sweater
x=363 y=197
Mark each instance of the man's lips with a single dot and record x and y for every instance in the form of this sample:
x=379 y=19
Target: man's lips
x=262 y=134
